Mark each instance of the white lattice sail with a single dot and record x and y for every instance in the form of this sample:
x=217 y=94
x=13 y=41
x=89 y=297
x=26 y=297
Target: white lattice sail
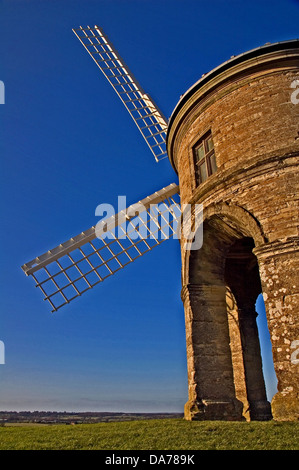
x=145 y=113
x=75 y=266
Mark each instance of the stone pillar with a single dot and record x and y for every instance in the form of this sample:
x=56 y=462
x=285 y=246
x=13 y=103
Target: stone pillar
x=237 y=352
x=279 y=273
x=210 y=373
x=259 y=407
x=246 y=357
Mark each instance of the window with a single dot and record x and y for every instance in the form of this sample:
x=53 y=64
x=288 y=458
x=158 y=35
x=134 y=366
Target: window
x=204 y=158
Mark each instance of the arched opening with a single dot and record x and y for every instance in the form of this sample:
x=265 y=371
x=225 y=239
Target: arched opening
x=243 y=281
x=224 y=357
x=266 y=349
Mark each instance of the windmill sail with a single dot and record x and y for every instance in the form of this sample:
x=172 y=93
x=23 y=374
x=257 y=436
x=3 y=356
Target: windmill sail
x=85 y=260
x=146 y=115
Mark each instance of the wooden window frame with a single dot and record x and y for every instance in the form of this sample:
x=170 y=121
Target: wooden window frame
x=206 y=160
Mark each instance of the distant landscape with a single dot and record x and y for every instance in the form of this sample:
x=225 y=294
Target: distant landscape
x=58 y=417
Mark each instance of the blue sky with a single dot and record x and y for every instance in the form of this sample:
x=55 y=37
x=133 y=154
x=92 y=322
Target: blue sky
x=67 y=144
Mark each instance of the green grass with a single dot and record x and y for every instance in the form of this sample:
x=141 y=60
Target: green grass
x=162 y=434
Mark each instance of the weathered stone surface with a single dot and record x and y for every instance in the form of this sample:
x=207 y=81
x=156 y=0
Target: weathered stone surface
x=250 y=243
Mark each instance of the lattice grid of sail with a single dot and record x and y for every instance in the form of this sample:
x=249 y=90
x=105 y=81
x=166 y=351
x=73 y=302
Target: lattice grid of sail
x=85 y=260
x=145 y=113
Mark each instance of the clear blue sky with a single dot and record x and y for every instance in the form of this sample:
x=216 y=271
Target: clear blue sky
x=67 y=144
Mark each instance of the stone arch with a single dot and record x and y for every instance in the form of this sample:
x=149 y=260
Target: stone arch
x=238 y=220
x=220 y=288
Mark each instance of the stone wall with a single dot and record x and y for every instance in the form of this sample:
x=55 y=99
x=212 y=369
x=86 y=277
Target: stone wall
x=253 y=195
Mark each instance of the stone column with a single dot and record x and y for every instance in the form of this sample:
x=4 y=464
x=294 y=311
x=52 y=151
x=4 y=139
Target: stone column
x=279 y=273
x=246 y=357
x=259 y=407
x=210 y=373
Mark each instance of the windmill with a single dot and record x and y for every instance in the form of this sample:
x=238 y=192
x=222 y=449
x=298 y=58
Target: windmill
x=78 y=264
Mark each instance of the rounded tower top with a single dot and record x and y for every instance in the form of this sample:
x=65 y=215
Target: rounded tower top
x=256 y=61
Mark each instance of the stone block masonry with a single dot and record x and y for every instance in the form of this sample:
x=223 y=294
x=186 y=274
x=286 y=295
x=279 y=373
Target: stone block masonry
x=251 y=236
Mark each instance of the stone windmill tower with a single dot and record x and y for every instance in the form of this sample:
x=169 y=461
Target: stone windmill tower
x=233 y=141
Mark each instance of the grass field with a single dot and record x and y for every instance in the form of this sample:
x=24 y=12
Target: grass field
x=162 y=434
